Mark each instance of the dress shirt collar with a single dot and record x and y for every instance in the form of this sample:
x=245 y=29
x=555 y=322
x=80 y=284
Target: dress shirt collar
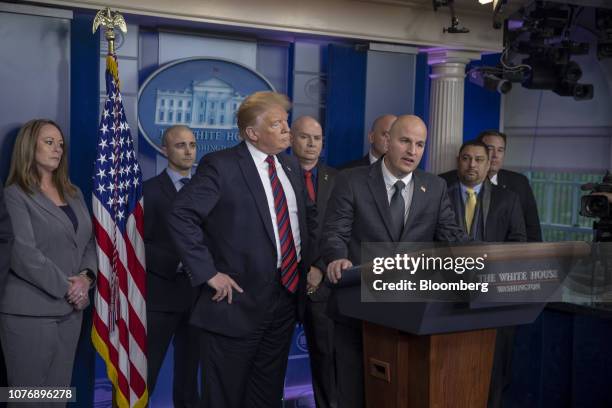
x=175 y=176
x=494 y=179
x=258 y=156
x=464 y=188
x=390 y=179
x=371 y=157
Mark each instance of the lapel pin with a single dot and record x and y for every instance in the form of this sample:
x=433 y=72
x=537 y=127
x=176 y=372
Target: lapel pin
x=423 y=189
x=325 y=177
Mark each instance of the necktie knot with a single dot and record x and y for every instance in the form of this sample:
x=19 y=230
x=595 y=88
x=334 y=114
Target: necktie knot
x=470 y=191
x=399 y=185
x=310 y=188
x=270 y=161
x=184 y=180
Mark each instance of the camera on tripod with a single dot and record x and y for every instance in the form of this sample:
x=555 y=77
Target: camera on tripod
x=597 y=205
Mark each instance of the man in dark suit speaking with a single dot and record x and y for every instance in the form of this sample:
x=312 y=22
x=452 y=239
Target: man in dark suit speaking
x=240 y=227
x=170 y=296
x=388 y=201
x=306 y=145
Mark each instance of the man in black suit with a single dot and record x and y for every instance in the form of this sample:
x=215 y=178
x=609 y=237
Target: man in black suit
x=379 y=141
x=306 y=145
x=170 y=296
x=242 y=230
x=513 y=181
x=388 y=201
x=485 y=211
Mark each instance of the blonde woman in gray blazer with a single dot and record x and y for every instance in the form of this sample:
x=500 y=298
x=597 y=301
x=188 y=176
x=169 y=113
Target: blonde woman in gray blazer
x=52 y=263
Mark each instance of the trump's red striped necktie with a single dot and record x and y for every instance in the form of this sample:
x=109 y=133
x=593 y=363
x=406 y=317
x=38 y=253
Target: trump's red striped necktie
x=289 y=264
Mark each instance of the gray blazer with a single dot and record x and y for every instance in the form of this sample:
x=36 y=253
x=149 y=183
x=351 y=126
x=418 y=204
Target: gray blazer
x=46 y=252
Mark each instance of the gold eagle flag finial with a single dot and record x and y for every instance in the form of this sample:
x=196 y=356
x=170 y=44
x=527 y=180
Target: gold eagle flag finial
x=109 y=20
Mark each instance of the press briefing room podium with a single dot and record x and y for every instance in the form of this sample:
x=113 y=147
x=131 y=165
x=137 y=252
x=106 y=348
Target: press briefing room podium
x=431 y=354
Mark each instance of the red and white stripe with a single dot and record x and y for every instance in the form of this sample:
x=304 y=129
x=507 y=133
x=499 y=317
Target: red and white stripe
x=125 y=340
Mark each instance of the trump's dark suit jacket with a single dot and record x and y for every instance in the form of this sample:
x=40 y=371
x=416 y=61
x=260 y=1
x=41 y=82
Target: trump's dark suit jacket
x=359 y=212
x=167 y=291
x=362 y=161
x=502 y=218
x=519 y=184
x=221 y=223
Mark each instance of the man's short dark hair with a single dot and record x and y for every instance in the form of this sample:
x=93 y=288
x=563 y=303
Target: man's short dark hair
x=474 y=142
x=491 y=132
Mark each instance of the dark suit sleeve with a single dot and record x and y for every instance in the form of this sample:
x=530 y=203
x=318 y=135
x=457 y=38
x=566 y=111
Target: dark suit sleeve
x=6 y=240
x=516 y=231
x=190 y=211
x=162 y=260
x=447 y=229
x=530 y=209
x=338 y=223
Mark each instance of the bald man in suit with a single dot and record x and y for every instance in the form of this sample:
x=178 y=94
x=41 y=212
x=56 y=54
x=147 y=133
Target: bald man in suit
x=388 y=201
x=170 y=296
x=306 y=145
x=378 y=136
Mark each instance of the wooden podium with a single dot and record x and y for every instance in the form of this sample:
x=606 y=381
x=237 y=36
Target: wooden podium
x=442 y=370
x=439 y=354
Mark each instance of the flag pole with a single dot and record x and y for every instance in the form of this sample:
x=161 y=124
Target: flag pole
x=119 y=318
x=109 y=20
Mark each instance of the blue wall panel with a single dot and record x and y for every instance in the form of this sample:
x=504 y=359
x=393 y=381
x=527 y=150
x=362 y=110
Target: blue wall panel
x=482 y=107
x=84 y=119
x=345 y=113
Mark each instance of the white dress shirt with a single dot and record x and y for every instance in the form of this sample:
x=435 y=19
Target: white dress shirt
x=371 y=157
x=494 y=179
x=259 y=158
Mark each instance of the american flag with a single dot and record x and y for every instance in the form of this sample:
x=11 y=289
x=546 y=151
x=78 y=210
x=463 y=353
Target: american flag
x=119 y=322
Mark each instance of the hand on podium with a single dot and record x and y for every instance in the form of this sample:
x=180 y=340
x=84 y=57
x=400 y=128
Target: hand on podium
x=335 y=268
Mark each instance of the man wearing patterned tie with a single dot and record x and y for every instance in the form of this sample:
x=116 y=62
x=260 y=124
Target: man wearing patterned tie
x=306 y=145
x=389 y=201
x=241 y=227
x=170 y=296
